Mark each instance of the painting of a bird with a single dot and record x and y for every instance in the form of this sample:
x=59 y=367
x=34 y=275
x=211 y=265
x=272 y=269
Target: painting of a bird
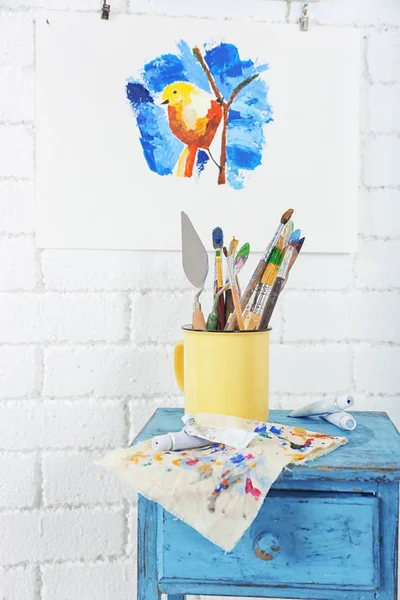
x=194 y=116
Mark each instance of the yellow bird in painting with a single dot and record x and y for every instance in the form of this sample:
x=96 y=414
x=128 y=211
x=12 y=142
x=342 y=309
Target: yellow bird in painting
x=194 y=117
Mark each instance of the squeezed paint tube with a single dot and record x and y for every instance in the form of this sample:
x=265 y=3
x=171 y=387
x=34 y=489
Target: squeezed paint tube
x=343 y=420
x=323 y=407
x=177 y=440
x=236 y=438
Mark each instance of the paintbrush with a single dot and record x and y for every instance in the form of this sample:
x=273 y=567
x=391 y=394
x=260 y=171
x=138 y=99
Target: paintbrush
x=235 y=294
x=299 y=245
x=212 y=320
x=280 y=281
x=218 y=242
x=255 y=307
x=240 y=261
x=259 y=272
x=286 y=233
x=233 y=247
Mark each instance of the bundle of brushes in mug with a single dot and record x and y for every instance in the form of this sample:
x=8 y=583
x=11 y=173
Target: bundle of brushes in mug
x=232 y=310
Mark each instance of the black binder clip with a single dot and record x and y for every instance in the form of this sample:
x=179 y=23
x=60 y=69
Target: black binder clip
x=105 y=11
x=304 y=17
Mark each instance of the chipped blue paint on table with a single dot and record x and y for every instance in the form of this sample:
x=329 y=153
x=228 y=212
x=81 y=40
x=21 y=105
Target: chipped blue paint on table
x=327 y=530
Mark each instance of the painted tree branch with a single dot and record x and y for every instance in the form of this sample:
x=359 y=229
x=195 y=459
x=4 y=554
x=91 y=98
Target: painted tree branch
x=226 y=105
x=196 y=51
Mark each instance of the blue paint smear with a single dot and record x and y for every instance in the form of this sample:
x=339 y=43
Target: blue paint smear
x=237 y=459
x=249 y=112
x=274 y=429
x=161 y=148
x=202 y=160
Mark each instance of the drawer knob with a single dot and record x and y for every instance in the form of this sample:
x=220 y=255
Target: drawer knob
x=266 y=546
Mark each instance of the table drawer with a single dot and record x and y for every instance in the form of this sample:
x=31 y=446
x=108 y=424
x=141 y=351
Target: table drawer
x=298 y=539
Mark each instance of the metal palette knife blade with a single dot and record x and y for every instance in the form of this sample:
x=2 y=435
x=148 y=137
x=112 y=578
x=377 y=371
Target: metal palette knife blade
x=194 y=254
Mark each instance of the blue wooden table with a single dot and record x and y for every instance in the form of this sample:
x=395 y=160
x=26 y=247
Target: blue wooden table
x=326 y=531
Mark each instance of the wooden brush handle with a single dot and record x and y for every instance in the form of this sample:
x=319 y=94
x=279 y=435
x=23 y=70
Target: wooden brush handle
x=221 y=312
x=269 y=308
x=238 y=309
x=198 y=321
x=252 y=321
x=229 y=308
x=251 y=286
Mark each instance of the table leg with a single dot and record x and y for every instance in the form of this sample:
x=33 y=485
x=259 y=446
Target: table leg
x=147 y=582
x=389 y=522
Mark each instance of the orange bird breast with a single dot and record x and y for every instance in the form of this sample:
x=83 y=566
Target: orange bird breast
x=195 y=130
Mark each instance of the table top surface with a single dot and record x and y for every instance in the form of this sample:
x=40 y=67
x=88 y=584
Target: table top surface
x=371 y=454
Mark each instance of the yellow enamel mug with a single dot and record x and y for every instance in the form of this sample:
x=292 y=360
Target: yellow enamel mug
x=224 y=372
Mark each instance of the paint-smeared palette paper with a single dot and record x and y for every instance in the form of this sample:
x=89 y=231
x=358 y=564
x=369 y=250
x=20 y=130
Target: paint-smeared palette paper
x=141 y=117
x=219 y=490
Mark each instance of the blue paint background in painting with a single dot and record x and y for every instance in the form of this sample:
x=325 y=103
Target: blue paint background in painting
x=249 y=112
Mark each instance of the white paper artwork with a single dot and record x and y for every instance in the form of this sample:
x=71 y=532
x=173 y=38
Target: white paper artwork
x=141 y=117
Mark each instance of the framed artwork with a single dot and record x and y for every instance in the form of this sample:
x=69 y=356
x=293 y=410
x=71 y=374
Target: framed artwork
x=141 y=117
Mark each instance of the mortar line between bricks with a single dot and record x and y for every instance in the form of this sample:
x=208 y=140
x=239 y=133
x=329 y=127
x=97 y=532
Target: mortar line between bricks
x=102 y=559
x=91 y=345
x=238 y=19
x=96 y=507
x=39 y=372
x=38 y=583
x=57 y=450
x=39 y=482
x=128 y=317
x=126 y=528
x=353 y=368
x=288 y=9
x=16 y=179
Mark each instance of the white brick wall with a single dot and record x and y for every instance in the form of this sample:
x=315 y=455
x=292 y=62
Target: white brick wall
x=85 y=348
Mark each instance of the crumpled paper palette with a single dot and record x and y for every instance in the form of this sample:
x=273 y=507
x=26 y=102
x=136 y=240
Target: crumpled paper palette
x=218 y=490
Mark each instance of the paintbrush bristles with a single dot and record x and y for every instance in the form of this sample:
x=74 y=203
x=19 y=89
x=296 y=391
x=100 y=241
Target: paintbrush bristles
x=286 y=216
x=270 y=274
x=218 y=238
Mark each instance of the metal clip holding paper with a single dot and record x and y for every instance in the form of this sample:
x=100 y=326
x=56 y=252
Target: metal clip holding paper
x=105 y=11
x=304 y=17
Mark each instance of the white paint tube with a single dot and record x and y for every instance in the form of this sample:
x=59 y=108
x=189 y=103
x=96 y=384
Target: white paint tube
x=343 y=420
x=177 y=440
x=323 y=407
x=236 y=438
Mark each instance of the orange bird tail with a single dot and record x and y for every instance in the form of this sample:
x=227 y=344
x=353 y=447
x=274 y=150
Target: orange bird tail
x=186 y=161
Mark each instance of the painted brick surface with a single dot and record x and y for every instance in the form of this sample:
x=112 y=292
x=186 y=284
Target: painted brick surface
x=17 y=583
x=380 y=213
x=34 y=535
x=18 y=483
x=18 y=270
x=17 y=371
x=109 y=580
x=30 y=318
x=86 y=337
x=26 y=425
x=75 y=478
x=17 y=207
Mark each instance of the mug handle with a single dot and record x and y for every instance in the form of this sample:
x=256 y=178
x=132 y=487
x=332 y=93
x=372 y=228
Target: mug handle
x=178 y=364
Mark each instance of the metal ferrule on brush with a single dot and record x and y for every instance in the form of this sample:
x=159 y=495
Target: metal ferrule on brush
x=284 y=268
x=262 y=298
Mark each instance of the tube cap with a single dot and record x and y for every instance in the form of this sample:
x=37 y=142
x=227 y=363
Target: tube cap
x=162 y=442
x=345 y=402
x=186 y=418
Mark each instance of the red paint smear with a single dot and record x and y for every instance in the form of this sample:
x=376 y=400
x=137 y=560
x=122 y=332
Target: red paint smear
x=192 y=461
x=252 y=490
